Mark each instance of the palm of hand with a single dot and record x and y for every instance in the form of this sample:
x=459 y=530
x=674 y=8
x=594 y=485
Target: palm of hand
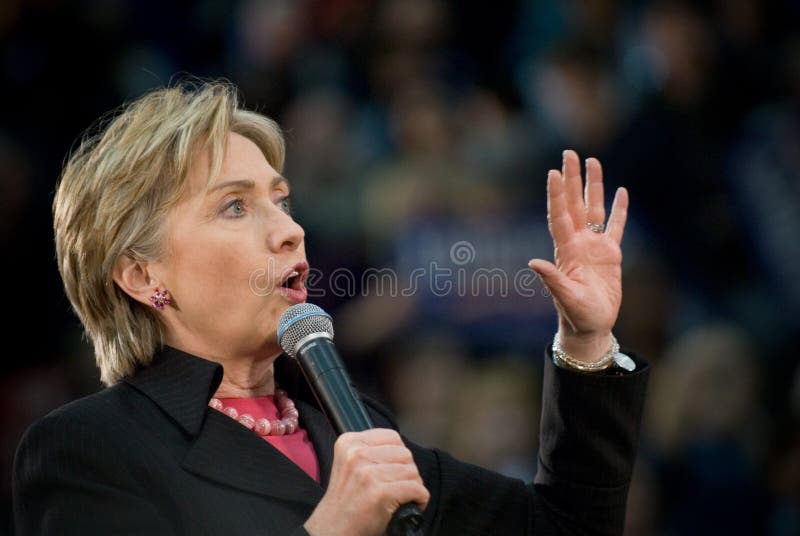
x=591 y=297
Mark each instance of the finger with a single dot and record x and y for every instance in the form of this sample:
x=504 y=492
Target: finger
x=574 y=189
x=388 y=454
x=374 y=436
x=380 y=476
x=558 y=219
x=392 y=472
x=595 y=204
x=406 y=491
x=391 y=485
x=552 y=277
x=619 y=214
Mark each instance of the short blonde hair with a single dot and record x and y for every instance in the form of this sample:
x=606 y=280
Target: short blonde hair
x=114 y=193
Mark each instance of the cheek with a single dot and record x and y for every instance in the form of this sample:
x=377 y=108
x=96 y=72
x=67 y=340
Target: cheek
x=212 y=275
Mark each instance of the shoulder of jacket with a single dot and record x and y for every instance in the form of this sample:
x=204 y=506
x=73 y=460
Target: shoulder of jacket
x=94 y=414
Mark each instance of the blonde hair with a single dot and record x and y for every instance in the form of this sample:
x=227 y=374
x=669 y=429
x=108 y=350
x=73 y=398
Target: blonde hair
x=114 y=193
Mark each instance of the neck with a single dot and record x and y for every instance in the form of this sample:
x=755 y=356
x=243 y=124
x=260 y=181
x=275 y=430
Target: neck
x=244 y=375
x=243 y=378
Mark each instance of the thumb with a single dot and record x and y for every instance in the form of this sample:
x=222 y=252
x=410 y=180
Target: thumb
x=550 y=275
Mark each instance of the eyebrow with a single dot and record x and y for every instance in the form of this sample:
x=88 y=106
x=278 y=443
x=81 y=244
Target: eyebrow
x=247 y=184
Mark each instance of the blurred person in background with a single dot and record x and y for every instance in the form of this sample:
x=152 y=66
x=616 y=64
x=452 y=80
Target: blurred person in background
x=704 y=427
x=162 y=218
x=422 y=380
x=508 y=398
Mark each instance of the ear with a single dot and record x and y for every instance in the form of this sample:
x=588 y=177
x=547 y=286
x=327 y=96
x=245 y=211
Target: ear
x=135 y=279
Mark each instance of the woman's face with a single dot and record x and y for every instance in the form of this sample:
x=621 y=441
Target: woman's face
x=230 y=250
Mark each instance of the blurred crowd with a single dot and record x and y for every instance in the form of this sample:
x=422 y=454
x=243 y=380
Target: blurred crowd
x=415 y=126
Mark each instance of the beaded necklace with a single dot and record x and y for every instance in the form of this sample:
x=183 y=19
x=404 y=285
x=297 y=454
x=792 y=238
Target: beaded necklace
x=287 y=424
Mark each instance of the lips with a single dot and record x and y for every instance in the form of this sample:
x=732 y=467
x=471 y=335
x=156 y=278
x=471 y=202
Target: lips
x=292 y=284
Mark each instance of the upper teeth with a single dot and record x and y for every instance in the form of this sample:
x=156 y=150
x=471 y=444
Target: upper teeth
x=294 y=273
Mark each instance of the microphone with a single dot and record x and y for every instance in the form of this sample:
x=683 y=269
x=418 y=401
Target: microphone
x=305 y=332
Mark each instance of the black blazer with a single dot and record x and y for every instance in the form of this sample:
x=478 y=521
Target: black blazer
x=148 y=456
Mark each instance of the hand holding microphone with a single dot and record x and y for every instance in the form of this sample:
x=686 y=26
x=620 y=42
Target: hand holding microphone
x=374 y=480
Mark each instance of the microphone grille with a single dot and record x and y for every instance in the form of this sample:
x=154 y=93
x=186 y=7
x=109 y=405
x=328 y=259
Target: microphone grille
x=300 y=321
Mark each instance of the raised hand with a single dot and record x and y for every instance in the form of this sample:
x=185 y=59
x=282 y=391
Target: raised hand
x=586 y=279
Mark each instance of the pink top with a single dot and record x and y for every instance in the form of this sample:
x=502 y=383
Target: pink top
x=297 y=446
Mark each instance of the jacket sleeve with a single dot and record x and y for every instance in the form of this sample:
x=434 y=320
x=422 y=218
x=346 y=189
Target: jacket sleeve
x=589 y=432
x=68 y=479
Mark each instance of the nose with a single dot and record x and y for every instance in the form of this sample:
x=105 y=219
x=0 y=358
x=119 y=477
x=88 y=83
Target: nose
x=286 y=233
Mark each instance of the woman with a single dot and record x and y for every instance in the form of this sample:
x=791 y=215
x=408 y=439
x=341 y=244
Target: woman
x=162 y=220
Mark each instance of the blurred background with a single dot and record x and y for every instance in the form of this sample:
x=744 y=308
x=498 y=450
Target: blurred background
x=414 y=125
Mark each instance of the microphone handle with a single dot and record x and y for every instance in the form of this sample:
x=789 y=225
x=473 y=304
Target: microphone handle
x=325 y=373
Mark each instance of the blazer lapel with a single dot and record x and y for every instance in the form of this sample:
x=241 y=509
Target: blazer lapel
x=312 y=419
x=322 y=436
x=229 y=453
x=220 y=448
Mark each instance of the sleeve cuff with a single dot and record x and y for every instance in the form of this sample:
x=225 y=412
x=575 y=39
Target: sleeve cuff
x=589 y=428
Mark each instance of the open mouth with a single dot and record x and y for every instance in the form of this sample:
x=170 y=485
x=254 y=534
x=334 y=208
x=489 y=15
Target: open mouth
x=292 y=281
x=295 y=278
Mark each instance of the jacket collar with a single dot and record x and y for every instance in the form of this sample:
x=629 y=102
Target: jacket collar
x=223 y=450
x=181 y=384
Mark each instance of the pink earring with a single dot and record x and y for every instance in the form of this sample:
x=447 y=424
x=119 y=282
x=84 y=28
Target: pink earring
x=160 y=299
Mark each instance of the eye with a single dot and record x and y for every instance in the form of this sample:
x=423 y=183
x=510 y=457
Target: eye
x=285 y=204
x=234 y=208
